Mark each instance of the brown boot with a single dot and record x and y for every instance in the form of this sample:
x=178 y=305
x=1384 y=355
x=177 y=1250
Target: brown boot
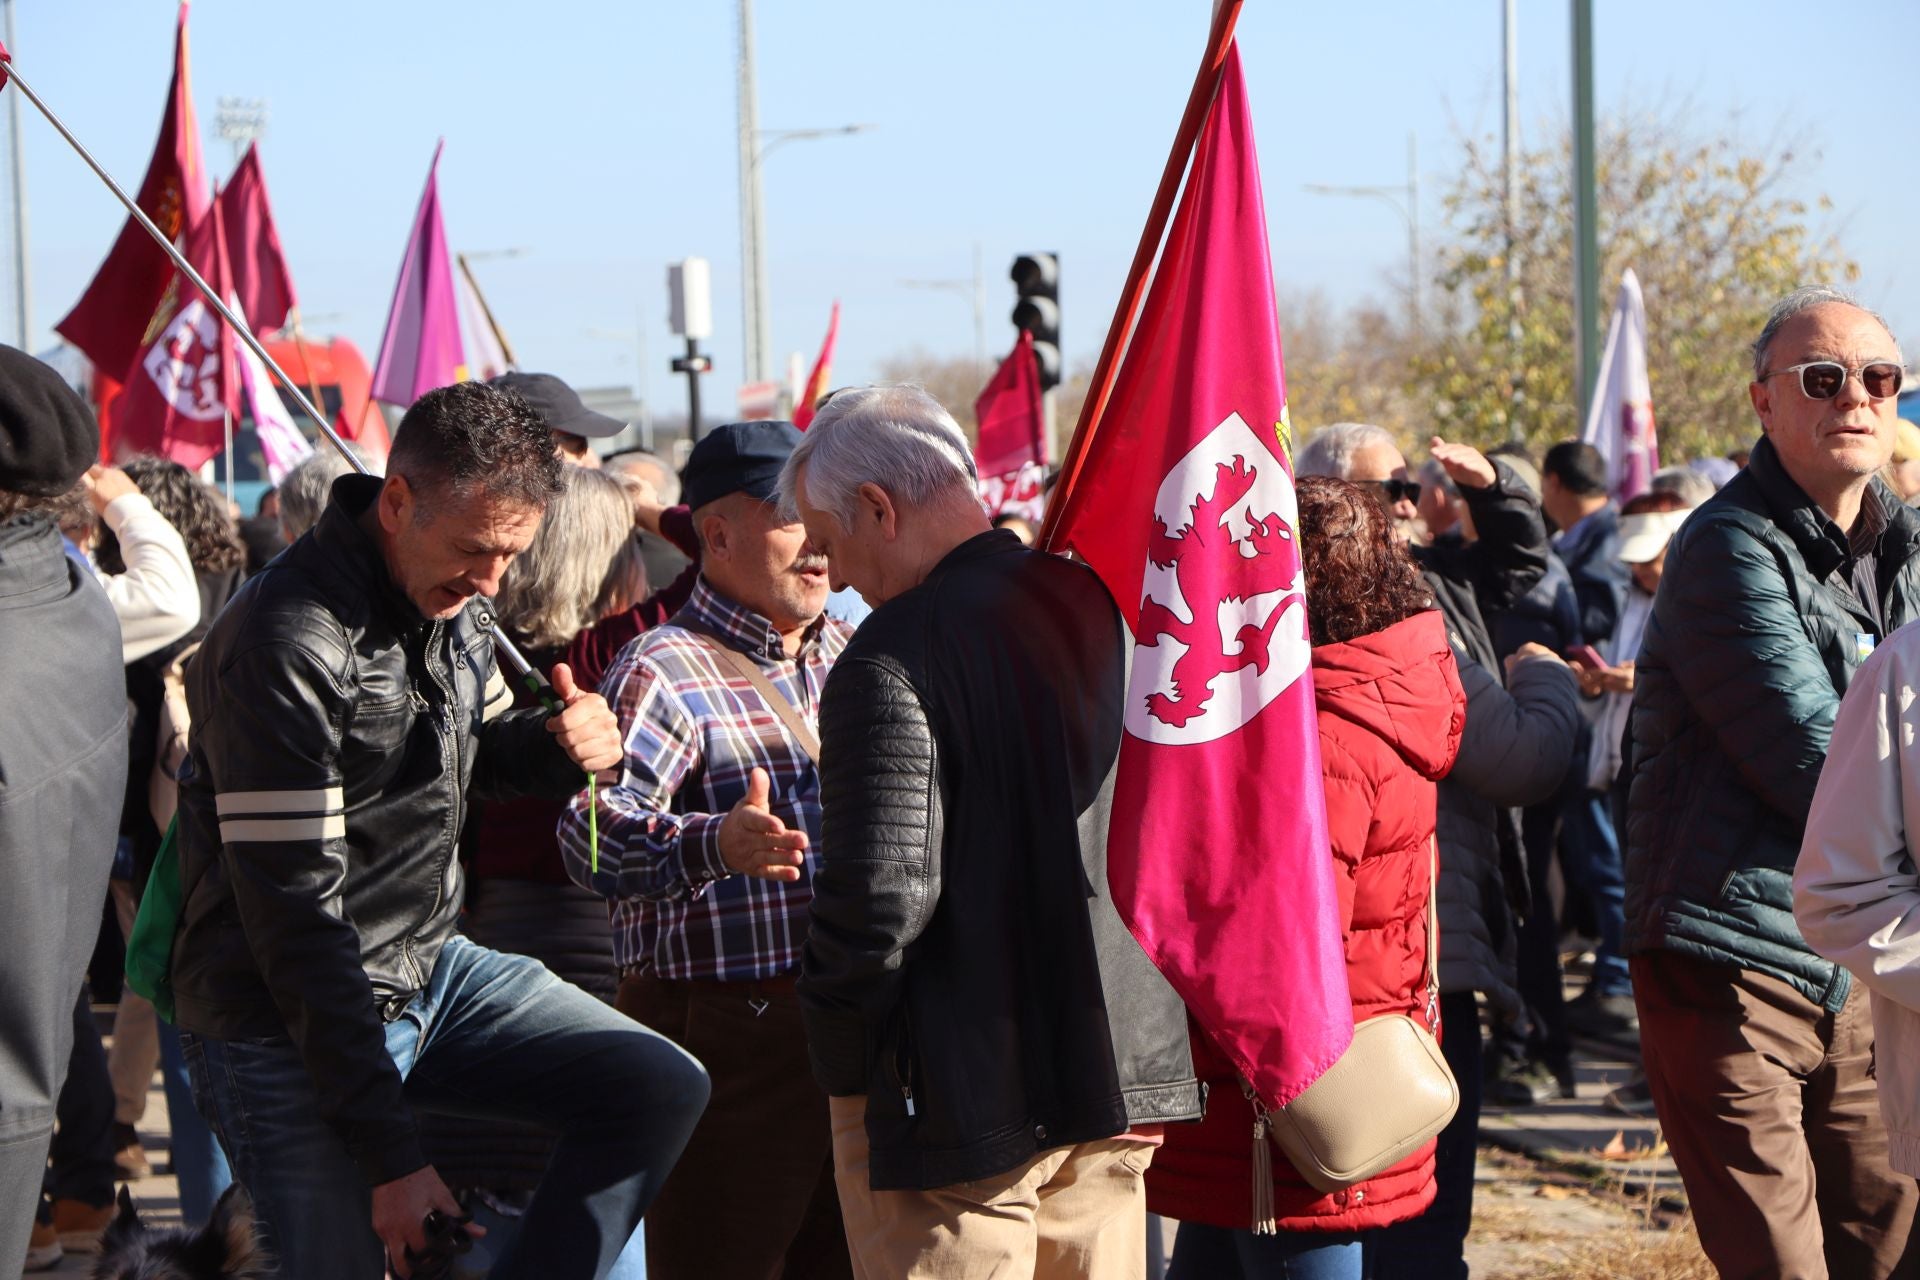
x=43 y=1248
x=129 y=1157
x=80 y=1225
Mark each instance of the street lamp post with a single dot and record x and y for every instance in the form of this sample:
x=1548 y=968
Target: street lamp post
x=755 y=145
x=1406 y=202
x=974 y=291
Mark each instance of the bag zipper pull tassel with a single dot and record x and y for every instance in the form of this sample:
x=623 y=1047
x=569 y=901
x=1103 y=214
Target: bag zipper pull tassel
x=1263 y=1216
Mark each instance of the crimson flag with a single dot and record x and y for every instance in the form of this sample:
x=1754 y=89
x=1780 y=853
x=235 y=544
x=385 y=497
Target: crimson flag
x=1184 y=503
x=261 y=279
x=109 y=321
x=1012 y=426
x=822 y=370
x=185 y=381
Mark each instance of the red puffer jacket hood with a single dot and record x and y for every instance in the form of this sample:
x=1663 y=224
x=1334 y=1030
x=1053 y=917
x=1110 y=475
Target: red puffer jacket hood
x=1399 y=686
x=1391 y=713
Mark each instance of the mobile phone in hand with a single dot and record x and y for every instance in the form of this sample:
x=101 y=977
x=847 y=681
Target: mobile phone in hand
x=1585 y=655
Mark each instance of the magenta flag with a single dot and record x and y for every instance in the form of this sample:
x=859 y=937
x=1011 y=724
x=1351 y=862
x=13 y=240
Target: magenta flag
x=1184 y=504
x=421 y=347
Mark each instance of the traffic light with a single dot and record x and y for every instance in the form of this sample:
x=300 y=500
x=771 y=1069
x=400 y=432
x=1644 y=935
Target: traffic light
x=1036 y=277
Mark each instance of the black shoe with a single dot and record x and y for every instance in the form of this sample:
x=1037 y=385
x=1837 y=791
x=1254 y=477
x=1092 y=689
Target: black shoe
x=1634 y=1098
x=1512 y=1083
x=1563 y=1077
x=1605 y=1017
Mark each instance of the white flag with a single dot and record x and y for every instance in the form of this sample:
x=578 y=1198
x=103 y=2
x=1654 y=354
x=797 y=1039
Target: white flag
x=486 y=358
x=1620 y=420
x=281 y=444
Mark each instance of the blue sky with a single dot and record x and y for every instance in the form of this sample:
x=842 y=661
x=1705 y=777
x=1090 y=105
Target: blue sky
x=600 y=137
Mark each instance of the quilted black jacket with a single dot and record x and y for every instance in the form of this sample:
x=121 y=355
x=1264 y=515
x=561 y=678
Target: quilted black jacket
x=965 y=968
x=1753 y=639
x=335 y=734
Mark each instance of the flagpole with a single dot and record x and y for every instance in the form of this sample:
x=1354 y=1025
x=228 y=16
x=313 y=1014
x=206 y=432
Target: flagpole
x=226 y=418
x=306 y=361
x=506 y=348
x=8 y=74
x=1199 y=102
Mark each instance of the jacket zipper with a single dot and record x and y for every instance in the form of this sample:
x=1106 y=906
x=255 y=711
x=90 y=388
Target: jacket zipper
x=903 y=1063
x=451 y=748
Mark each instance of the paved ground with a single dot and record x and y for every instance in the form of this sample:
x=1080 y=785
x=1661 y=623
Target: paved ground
x=1567 y=1188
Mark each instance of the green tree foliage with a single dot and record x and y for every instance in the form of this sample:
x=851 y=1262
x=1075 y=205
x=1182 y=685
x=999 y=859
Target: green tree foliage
x=1716 y=236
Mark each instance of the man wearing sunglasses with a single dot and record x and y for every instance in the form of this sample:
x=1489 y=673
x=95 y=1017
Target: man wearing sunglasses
x=1758 y=1052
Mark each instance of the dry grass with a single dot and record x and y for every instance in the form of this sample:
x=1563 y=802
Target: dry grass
x=1629 y=1255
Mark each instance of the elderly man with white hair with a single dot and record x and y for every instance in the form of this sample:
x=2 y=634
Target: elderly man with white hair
x=998 y=1050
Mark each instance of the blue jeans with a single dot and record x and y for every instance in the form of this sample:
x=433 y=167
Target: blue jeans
x=199 y=1165
x=1201 y=1252
x=1590 y=854
x=494 y=1036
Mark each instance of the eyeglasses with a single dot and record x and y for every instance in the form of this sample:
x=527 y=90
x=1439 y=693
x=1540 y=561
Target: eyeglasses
x=1392 y=491
x=1825 y=379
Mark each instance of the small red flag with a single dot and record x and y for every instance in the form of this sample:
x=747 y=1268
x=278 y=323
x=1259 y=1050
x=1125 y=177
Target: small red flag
x=822 y=370
x=109 y=321
x=1183 y=502
x=1012 y=426
x=184 y=383
x=260 y=275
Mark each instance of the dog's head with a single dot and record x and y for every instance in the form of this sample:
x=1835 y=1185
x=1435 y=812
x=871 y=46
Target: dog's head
x=227 y=1248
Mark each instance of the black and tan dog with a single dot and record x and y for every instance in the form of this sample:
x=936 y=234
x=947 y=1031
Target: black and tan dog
x=226 y=1248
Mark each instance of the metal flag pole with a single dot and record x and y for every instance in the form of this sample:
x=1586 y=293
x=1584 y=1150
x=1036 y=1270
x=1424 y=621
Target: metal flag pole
x=535 y=682
x=9 y=74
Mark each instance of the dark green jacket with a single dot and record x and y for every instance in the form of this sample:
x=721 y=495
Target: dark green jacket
x=1754 y=637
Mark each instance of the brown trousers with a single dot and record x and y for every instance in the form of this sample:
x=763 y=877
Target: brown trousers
x=1768 y=1103
x=1073 y=1213
x=752 y=1197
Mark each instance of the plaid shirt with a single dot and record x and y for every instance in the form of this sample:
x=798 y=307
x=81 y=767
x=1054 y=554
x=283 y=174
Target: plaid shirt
x=695 y=731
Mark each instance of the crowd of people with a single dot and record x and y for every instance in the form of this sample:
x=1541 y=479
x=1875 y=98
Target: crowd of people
x=770 y=935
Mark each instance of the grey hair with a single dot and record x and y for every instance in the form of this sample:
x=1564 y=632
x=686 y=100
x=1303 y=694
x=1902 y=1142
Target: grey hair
x=583 y=563
x=1806 y=298
x=303 y=494
x=652 y=468
x=897 y=437
x=1683 y=483
x=1329 y=451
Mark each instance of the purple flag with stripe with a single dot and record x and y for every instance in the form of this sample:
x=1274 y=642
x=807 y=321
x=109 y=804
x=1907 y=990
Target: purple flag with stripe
x=421 y=347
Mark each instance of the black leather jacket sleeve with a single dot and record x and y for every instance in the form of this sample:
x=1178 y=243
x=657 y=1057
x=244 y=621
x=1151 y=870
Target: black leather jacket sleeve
x=275 y=771
x=879 y=870
x=1509 y=555
x=518 y=757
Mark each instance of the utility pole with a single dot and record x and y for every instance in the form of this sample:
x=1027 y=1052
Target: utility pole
x=1510 y=140
x=1586 y=236
x=690 y=316
x=22 y=290
x=756 y=327
x=1413 y=229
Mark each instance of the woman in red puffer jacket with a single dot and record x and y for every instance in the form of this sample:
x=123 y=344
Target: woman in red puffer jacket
x=1390 y=714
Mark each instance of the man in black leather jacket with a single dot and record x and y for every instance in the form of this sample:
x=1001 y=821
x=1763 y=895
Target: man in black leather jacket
x=998 y=1049
x=342 y=705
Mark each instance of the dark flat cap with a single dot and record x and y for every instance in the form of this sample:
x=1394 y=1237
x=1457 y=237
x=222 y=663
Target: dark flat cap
x=48 y=436
x=559 y=405
x=741 y=457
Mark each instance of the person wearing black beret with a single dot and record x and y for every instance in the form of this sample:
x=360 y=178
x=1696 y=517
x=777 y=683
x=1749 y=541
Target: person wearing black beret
x=63 y=764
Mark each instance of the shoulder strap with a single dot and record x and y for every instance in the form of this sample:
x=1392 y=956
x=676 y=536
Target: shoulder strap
x=750 y=671
x=1433 y=930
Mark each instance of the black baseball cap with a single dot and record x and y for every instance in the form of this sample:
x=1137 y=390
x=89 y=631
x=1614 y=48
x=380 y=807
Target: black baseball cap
x=741 y=457
x=558 y=405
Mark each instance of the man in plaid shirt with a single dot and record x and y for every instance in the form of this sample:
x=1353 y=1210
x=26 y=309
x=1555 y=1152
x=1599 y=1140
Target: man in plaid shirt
x=705 y=854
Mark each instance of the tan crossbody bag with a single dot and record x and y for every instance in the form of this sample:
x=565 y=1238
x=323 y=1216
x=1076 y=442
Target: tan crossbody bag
x=776 y=701
x=1390 y=1092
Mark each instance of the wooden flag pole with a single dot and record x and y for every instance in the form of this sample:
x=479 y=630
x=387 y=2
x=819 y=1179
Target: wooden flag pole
x=1199 y=103
x=499 y=335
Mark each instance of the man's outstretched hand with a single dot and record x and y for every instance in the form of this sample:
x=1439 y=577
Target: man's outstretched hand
x=754 y=842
